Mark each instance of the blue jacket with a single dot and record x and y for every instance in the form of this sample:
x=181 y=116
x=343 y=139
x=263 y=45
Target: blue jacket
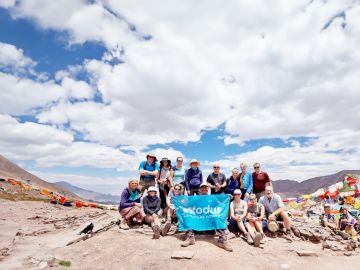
x=193 y=179
x=248 y=182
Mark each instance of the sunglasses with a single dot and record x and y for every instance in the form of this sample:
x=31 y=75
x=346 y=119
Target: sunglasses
x=256 y=167
x=237 y=194
x=216 y=167
x=179 y=161
x=177 y=189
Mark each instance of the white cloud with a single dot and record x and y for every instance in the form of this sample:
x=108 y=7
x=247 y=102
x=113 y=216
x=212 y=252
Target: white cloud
x=266 y=69
x=7 y=3
x=20 y=96
x=321 y=156
x=14 y=58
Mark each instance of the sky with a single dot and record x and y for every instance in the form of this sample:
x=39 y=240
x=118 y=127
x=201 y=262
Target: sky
x=88 y=88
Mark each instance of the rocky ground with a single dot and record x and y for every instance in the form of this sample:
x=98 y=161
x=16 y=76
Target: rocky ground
x=39 y=235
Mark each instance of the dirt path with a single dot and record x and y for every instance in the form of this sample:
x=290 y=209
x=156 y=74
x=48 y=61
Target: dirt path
x=35 y=235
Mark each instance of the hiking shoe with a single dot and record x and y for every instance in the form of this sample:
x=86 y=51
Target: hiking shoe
x=225 y=245
x=156 y=230
x=257 y=239
x=249 y=239
x=166 y=228
x=123 y=225
x=189 y=241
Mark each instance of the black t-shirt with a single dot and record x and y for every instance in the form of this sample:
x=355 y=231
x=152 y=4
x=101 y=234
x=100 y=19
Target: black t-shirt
x=217 y=179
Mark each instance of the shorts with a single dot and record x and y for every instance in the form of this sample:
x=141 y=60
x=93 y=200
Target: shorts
x=145 y=184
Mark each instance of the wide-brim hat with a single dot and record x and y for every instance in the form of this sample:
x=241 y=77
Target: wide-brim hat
x=273 y=226
x=194 y=161
x=151 y=155
x=152 y=189
x=204 y=184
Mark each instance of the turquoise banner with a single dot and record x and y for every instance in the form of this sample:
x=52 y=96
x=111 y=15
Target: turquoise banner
x=203 y=212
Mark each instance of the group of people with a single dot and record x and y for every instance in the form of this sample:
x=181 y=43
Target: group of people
x=347 y=222
x=253 y=204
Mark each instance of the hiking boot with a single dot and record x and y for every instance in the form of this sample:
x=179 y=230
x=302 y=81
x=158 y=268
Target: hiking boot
x=257 y=239
x=166 y=228
x=189 y=241
x=249 y=239
x=225 y=245
x=123 y=225
x=263 y=239
x=156 y=230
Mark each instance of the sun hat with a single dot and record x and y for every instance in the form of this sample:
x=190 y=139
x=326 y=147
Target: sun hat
x=152 y=189
x=237 y=191
x=273 y=226
x=203 y=184
x=194 y=161
x=327 y=205
x=151 y=155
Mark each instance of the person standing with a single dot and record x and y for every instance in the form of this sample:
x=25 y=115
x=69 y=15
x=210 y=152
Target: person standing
x=164 y=180
x=233 y=183
x=246 y=182
x=216 y=180
x=261 y=180
x=148 y=171
x=193 y=178
x=178 y=174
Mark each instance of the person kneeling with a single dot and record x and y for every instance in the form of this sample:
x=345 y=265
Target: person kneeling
x=223 y=242
x=153 y=211
x=130 y=207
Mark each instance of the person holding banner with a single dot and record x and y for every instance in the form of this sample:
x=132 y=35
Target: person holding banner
x=193 y=178
x=153 y=211
x=170 y=209
x=238 y=211
x=190 y=237
x=216 y=180
x=246 y=182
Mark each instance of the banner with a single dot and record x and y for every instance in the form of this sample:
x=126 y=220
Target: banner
x=202 y=212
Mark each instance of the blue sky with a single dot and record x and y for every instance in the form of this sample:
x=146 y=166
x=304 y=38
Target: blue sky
x=88 y=88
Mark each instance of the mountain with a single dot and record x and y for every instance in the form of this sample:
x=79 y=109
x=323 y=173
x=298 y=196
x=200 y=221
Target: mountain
x=9 y=169
x=291 y=188
x=89 y=194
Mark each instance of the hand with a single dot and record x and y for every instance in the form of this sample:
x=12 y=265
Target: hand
x=138 y=205
x=246 y=195
x=154 y=215
x=237 y=218
x=272 y=218
x=231 y=197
